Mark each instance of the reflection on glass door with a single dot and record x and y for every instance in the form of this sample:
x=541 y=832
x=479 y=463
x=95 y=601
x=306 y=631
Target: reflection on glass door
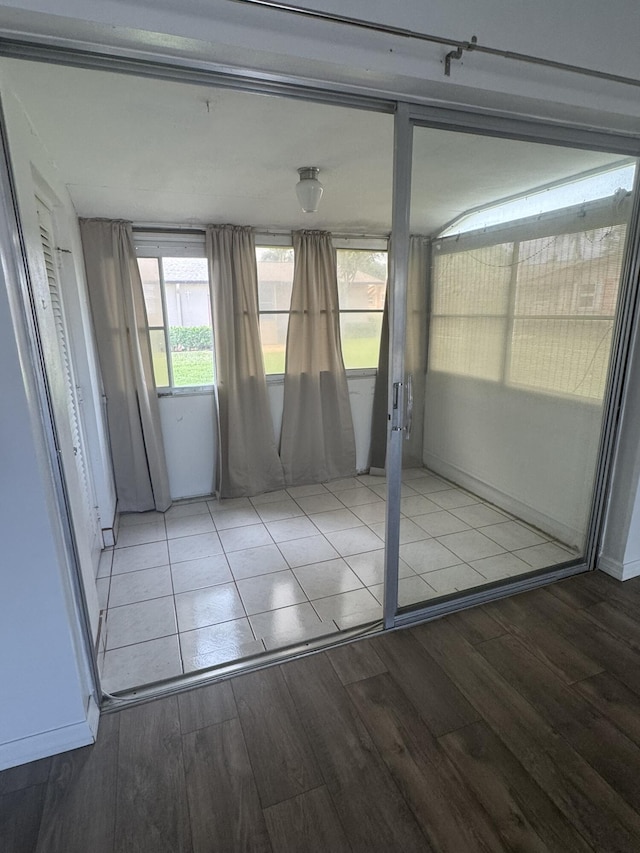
x=514 y=269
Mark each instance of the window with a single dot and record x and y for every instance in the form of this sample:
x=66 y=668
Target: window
x=599 y=184
x=176 y=293
x=536 y=313
x=362 y=284
x=175 y=283
x=469 y=311
x=275 y=281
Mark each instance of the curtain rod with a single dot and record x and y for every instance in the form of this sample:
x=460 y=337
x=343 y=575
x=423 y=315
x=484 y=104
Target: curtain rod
x=159 y=228
x=459 y=46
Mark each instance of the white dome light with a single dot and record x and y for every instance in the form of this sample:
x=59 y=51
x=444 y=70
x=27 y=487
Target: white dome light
x=309 y=189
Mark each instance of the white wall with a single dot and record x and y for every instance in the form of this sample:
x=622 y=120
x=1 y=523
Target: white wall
x=620 y=553
x=46 y=704
x=190 y=442
x=45 y=696
x=34 y=173
x=534 y=454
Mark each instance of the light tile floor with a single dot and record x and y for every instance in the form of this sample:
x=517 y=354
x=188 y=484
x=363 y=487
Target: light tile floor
x=209 y=582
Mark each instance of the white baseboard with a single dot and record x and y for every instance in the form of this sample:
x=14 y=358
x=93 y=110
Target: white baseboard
x=48 y=743
x=530 y=515
x=110 y=533
x=619 y=571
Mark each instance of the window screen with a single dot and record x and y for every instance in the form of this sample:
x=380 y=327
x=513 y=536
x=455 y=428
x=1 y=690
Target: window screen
x=537 y=313
x=565 y=298
x=470 y=304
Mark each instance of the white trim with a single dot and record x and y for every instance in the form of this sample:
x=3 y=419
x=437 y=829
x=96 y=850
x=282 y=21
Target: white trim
x=567 y=535
x=186 y=238
x=618 y=570
x=165 y=244
x=611 y=567
x=52 y=742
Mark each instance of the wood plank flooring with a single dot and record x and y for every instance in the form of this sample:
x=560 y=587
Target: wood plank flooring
x=511 y=727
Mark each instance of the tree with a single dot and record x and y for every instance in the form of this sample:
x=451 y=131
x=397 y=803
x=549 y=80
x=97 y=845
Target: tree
x=353 y=261
x=278 y=254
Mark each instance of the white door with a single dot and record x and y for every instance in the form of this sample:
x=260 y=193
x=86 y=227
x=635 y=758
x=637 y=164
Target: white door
x=67 y=403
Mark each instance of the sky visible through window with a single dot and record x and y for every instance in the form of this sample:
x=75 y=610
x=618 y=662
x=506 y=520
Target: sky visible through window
x=578 y=191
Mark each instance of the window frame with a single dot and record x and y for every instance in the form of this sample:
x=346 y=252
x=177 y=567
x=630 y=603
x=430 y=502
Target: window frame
x=575 y=219
x=267 y=240
x=176 y=243
x=190 y=243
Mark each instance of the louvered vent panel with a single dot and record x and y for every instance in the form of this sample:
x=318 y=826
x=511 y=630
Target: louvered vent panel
x=63 y=346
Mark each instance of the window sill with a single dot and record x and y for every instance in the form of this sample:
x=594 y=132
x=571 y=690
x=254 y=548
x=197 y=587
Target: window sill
x=187 y=391
x=354 y=373
x=272 y=379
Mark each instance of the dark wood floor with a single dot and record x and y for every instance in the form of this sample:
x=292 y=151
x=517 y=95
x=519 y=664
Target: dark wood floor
x=515 y=726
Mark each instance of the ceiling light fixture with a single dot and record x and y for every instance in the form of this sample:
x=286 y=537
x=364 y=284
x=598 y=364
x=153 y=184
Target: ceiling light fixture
x=309 y=189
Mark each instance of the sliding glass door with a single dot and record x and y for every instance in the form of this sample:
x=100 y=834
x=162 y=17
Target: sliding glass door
x=482 y=462
x=508 y=281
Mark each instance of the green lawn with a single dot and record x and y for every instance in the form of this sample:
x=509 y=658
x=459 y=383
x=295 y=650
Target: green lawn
x=195 y=367
x=357 y=353
x=361 y=352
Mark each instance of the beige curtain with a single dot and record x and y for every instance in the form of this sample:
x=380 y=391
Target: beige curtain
x=415 y=362
x=124 y=351
x=317 y=441
x=248 y=461
x=379 y=420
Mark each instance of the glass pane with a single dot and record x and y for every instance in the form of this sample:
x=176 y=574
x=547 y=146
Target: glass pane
x=360 y=339
x=469 y=346
x=516 y=323
x=586 y=188
x=192 y=367
x=159 y=356
x=362 y=279
x=186 y=283
x=150 y=274
x=567 y=356
x=473 y=282
x=571 y=274
x=273 y=331
x=275 y=278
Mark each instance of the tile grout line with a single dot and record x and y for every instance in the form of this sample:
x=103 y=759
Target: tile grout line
x=289 y=568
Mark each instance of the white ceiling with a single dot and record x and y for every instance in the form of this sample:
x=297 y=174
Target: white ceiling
x=153 y=151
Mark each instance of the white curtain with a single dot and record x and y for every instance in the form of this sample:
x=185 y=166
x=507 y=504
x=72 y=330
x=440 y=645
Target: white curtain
x=415 y=361
x=124 y=351
x=248 y=461
x=317 y=441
